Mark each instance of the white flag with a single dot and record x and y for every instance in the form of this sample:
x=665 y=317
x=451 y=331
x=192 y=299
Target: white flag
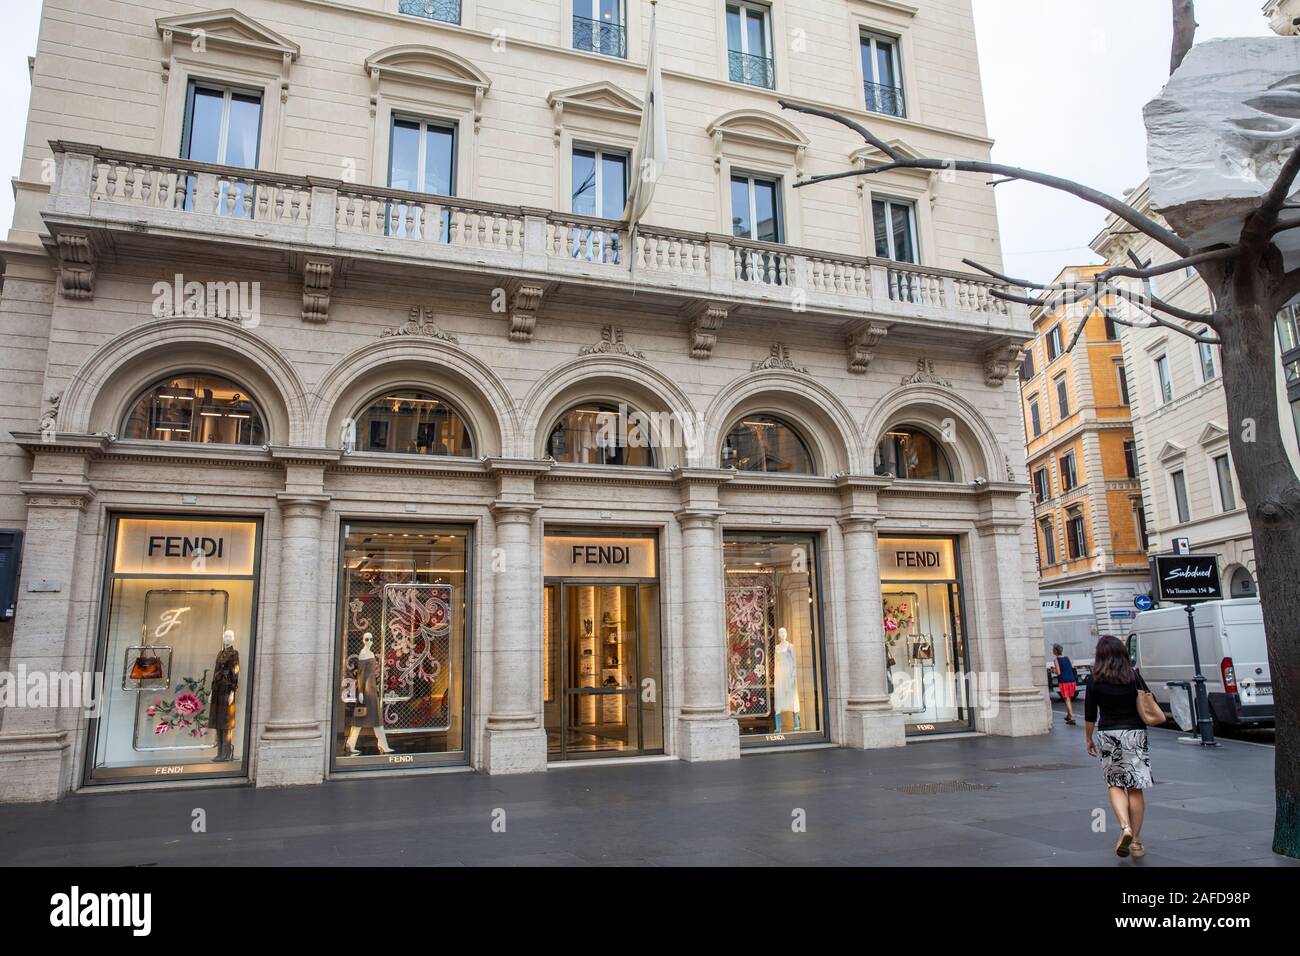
x=651 y=156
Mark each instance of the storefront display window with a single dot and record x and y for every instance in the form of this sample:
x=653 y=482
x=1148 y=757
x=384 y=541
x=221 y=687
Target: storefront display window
x=415 y=423
x=402 y=646
x=774 y=652
x=176 y=648
x=925 y=641
x=766 y=443
x=601 y=433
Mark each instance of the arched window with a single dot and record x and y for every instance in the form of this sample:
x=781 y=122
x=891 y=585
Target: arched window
x=196 y=407
x=413 y=422
x=907 y=452
x=766 y=443
x=601 y=433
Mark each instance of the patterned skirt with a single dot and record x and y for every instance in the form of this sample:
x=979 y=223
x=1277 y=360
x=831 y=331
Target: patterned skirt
x=1125 y=758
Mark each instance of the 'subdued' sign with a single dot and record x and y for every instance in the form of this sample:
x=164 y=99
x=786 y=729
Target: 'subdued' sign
x=1186 y=578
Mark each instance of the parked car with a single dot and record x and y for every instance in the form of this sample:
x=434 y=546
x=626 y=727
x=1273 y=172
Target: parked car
x=1234 y=658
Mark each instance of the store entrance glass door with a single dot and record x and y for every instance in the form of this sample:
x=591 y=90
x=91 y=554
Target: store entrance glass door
x=593 y=688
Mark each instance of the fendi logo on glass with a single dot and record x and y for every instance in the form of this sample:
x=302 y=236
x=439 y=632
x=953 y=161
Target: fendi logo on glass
x=601 y=554
x=918 y=559
x=183 y=546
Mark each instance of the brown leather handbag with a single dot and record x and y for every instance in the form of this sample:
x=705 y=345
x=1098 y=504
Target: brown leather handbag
x=1148 y=709
x=146 y=666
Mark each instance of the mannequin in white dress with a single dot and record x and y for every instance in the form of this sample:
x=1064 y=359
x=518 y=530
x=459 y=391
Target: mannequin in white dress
x=368 y=699
x=785 y=671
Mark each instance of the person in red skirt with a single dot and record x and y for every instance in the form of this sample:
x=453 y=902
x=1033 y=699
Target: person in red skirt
x=1066 y=680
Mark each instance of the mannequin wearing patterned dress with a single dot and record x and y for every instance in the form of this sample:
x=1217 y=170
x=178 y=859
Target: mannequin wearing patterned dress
x=221 y=709
x=785 y=667
x=368 y=700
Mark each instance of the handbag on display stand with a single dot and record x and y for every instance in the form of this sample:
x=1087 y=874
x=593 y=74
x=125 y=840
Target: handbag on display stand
x=146 y=667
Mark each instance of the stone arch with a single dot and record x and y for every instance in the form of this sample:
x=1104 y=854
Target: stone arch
x=820 y=417
x=103 y=388
x=415 y=362
x=673 y=421
x=973 y=448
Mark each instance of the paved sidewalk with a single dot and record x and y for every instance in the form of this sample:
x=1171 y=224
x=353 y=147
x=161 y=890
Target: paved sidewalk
x=964 y=801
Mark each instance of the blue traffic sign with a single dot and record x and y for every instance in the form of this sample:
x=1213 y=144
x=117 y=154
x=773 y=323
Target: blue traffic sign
x=1142 y=602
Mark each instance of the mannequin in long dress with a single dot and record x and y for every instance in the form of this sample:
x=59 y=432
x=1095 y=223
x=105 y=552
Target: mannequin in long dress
x=368 y=700
x=786 y=667
x=221 y=706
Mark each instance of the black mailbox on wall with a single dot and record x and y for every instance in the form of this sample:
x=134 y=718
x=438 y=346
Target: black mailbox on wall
x=11 y=552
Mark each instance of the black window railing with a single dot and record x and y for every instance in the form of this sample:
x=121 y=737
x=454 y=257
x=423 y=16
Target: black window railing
x=751 y=70
x=446 y=11
x=885 y=99
x=599 y=36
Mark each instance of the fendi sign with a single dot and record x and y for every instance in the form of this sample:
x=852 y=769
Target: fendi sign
x=917 y=559
x=575 y=556
x=167 y=546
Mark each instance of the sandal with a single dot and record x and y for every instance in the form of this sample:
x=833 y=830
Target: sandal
x=1122 y=848
x=1071 y=721
x=1138 y=850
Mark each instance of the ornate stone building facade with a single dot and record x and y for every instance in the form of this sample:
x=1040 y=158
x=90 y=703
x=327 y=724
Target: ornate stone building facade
x=327 y=350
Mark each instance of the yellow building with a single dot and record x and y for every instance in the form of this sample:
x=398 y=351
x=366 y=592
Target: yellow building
x=1082 y=465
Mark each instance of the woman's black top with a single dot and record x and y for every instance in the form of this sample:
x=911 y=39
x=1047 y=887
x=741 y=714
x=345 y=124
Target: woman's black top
x=1118 y=704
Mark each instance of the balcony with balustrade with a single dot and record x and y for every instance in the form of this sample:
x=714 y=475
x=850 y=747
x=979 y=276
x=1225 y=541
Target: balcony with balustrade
x=599 y=36
x=107 y=201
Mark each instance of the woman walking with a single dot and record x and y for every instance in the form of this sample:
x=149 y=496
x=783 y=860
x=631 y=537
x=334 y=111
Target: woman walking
x=1121 y=738
x=1066 y=680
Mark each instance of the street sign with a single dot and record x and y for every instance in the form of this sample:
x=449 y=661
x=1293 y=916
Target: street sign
x=1182 y=546
x=1185 y=578
x=1123 y=613
x=1142 y=602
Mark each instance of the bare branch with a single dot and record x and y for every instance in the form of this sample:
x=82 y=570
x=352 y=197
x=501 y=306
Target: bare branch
x=1150 y=272
x=1180 y=329
x=1260 y=224
x=1287 y=289
x=1152 y=302
x=1184 y=32
x=1121 y=210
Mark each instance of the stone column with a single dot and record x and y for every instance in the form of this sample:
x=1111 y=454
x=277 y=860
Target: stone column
x=705 y=730
x=36 y=747
x=515 y=741
x=1016 y=706
x=291 y=749
x=870 y=720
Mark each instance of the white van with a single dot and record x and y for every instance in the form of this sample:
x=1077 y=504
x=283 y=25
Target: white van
x=1234 y=657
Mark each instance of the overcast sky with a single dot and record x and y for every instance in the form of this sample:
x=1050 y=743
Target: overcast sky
x=1064 y=85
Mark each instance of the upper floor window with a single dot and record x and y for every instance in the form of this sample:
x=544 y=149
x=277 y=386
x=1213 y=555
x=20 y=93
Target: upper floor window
x=882 y=75
x=1049 y=543
x=1053 y=343
x=602 y=433
x=1206 y=352
x=894 y=222
x=766 y=443
x=207 y=409
x=422 y=156
x=413 y=422
x=448 y=11
x=1122 y=374
x=600 y=27
x=1035 y=417
x=1112 y=330
x=1063 y=397
x=749 y=45
x=756 y=208
x=1042 y=489
x=1069 y=473
x=1076 y=536
x=223 y=125
x=599 y=180
x=1130 y=458
x=1164 y=382
x=1182 y=511
x=911 y=453
x=1223 y=477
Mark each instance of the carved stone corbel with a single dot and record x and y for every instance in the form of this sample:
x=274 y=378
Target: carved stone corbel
x=861 y=342
x=706 y=320
x=76 y=265
x=1000 y=362
x=523 y=299
x=317 y=281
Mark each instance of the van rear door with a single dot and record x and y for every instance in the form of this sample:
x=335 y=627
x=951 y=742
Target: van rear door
x=1242 y=637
